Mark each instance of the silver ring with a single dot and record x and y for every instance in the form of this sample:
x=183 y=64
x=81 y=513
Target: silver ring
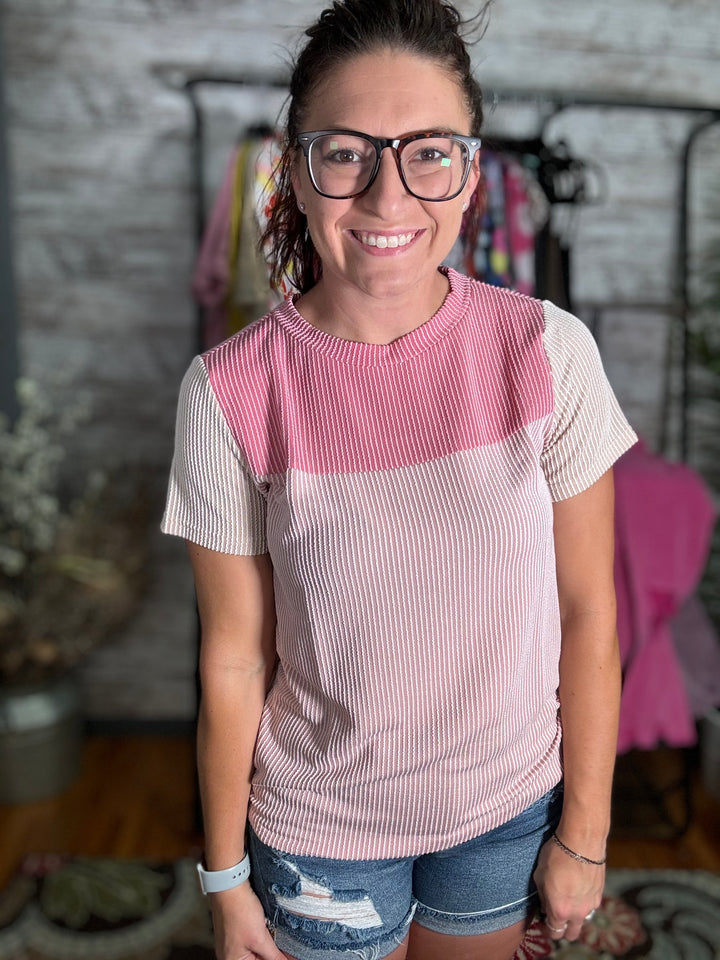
x=556 y=929
x=590 y=915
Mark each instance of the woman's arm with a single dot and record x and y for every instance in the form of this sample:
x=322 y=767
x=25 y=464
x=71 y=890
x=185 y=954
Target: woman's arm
x=237 y=658
x=589 y=696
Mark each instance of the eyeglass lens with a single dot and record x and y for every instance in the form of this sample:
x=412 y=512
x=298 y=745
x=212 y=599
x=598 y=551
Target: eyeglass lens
x=342 y=165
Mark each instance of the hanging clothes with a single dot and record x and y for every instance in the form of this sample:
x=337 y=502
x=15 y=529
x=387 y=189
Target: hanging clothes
x=231 y=276
x=514 y=211
x=664 y=517
x=248 y=288
x=524 y=216
x=211 y=276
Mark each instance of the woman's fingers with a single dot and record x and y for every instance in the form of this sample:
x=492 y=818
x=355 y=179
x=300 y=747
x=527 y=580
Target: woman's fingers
x=569 y=928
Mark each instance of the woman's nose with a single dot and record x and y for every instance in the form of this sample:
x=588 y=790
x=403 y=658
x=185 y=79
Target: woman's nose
x=388 y=189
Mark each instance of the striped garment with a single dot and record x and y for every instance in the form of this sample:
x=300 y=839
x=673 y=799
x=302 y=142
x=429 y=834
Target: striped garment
x=404 y=492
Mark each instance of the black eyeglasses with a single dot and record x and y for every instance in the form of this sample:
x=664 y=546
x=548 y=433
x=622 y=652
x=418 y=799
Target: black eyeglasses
x=343 y=164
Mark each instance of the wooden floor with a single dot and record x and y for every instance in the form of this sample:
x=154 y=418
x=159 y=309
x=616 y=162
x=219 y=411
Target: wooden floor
x=135 y=797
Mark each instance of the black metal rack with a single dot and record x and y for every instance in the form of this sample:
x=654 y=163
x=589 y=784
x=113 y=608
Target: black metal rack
x=551 y=104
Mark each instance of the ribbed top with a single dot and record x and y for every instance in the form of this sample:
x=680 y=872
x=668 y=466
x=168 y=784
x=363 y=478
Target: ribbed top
x=404 y=492
x=404 y=348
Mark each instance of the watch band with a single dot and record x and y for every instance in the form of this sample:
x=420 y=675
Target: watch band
x=214 y=881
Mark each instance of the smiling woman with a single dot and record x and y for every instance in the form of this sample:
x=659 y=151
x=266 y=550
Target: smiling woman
x=397 y=492
x=362 y=193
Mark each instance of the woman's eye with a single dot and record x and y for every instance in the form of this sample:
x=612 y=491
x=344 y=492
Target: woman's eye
x=430 y=154
x=343 y=156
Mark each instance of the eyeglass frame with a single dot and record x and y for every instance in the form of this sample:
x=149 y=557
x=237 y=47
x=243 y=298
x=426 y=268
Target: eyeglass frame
x=397 y=144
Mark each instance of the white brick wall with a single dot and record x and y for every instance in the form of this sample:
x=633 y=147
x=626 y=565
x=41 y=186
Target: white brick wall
x=100 y=154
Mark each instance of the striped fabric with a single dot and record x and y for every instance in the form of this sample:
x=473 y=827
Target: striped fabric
x=404 y=493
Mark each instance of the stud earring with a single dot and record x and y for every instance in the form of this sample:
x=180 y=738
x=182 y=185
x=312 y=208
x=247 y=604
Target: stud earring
x=464 y=206
x=301 y=207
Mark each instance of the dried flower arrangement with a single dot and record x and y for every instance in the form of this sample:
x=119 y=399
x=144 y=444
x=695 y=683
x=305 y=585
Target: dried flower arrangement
x=71 y=567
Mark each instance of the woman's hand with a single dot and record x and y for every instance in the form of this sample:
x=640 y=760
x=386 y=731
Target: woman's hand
x=569 y=891
x=239 y=925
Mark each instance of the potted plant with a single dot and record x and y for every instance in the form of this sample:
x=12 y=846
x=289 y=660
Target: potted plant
x=71 y=564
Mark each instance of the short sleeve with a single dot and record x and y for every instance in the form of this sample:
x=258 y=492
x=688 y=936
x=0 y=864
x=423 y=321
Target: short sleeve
x=213 y=499
x=589 y=431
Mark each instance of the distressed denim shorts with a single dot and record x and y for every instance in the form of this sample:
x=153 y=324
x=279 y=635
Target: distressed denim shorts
x=319 y=908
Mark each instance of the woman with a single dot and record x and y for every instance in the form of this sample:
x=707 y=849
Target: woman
x=397 y=494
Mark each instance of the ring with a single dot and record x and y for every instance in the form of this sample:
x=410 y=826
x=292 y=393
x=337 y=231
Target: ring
x=556 y=929
x=590 y=915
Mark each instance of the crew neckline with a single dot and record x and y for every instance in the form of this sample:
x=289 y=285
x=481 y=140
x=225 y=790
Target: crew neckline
x=411 y=344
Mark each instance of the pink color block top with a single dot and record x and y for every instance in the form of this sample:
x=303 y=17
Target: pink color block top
x=404 y=493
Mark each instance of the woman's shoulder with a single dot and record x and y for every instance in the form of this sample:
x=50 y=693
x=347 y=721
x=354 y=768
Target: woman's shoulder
x=568 y=340
x=512 y=309
x=499 y=311
x=489 y=296
x=252 y=348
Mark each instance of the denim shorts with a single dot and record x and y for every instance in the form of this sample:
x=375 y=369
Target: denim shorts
x=319 y=908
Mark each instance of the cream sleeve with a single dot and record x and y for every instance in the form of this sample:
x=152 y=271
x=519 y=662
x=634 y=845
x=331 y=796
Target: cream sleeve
x=589 y=431
x=213 y=498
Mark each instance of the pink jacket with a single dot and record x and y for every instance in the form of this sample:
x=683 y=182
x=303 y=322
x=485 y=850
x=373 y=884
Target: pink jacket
x=663 y=521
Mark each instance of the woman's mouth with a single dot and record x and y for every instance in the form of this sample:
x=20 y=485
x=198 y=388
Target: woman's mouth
x=383 y=240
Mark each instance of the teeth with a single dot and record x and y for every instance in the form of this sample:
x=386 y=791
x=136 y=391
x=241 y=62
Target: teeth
x=382 y=242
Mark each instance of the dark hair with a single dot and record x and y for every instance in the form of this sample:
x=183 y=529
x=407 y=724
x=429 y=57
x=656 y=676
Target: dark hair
x=428 y=28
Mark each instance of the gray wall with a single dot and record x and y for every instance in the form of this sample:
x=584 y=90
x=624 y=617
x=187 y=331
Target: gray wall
x=99 y=137
x=8 y=313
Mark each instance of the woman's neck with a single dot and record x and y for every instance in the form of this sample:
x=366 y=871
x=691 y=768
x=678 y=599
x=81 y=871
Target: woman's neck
x=350 y=314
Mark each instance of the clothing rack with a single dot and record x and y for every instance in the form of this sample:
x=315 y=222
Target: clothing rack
x=550 y=105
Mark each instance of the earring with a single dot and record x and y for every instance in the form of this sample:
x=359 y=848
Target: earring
x=464 y=206
x=301 y=207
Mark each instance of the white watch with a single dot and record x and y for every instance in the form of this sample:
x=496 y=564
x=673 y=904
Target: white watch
x=214 y=881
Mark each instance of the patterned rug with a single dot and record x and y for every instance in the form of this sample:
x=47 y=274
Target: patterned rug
x=95 y=909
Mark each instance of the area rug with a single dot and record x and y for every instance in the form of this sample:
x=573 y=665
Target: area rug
x=94 y=909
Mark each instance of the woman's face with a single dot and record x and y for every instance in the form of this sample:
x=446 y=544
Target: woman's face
x=385 y=241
